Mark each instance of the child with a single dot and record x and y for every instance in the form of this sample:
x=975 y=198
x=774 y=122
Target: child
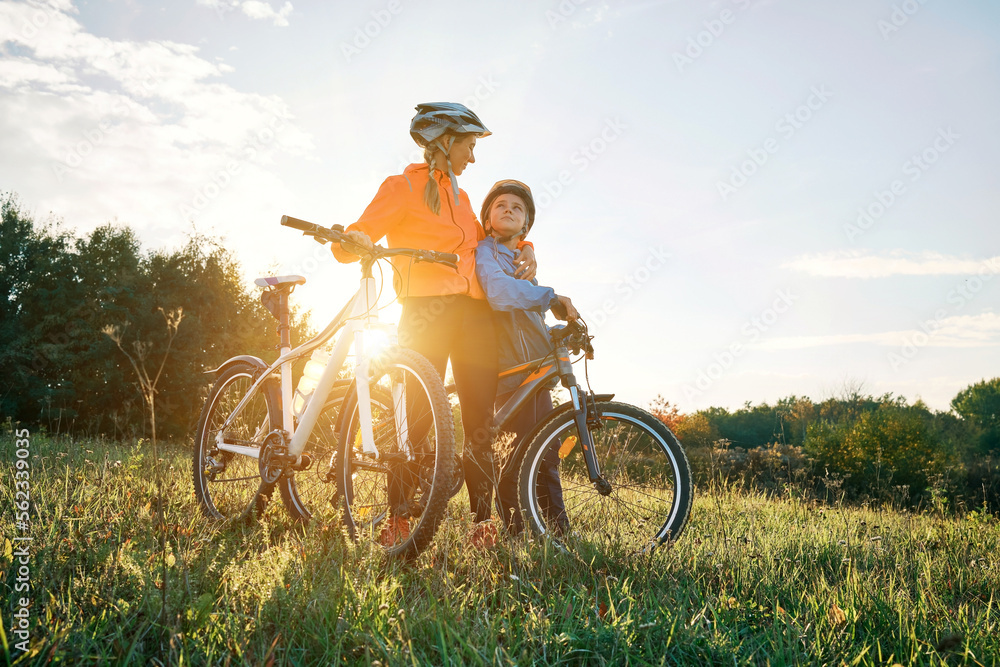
x=507 y=215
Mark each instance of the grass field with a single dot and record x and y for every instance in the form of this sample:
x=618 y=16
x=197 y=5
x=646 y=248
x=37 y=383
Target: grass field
x=752 y=581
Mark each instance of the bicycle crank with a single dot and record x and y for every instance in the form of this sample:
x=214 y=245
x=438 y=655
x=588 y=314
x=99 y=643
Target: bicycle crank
x=273 y=457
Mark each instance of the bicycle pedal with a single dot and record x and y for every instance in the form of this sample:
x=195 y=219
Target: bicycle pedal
x=213 y=466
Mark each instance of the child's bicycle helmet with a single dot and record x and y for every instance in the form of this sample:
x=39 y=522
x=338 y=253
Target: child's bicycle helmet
x=508 y=187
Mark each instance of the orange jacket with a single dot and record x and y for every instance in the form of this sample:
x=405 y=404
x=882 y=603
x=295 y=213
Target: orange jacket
x=399 y=213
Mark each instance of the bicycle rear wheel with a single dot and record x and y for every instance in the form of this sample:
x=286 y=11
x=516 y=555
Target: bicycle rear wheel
x=651 y=490
x=399 y=498
x=225 y=482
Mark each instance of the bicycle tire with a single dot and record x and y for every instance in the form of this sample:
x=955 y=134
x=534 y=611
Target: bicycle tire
x=224 y=482
x=422 y=484
x=313 y=495
x=650 y=500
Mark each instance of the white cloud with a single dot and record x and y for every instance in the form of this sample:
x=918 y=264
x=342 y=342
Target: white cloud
x=255 y=9
x=981 y=330
x=18 y=73
x=864 y=264
x=143 y=131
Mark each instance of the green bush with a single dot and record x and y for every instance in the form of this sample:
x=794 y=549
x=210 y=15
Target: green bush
x=883 y=448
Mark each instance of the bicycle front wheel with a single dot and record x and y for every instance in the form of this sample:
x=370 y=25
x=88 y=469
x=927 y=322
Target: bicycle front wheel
x=312 y=495
x=398 y=497
x=649 y=499
x=224 y=482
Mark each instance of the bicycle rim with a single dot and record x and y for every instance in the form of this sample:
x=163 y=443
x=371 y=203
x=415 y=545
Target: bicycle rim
x=227 y=482
x=651 y=489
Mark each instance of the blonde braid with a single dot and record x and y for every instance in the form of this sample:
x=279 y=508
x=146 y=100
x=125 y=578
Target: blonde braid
x=431 y=195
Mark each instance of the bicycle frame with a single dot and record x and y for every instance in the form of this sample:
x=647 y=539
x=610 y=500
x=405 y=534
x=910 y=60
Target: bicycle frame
x=356 y=318
x=541 y=372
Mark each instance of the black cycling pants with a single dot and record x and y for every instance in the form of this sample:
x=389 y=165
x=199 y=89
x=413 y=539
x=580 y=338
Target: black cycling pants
x=461 y=328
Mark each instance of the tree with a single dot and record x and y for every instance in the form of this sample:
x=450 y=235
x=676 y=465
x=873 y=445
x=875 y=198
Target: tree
x=139 y=355
x=749 y=427
x=37 y=290
x=979 y=404
x=887 y=446
x=696 y=431
x=661 y=408
x=794 y=416
x=58 y=293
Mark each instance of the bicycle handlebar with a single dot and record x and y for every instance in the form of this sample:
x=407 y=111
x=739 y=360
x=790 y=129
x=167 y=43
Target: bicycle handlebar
x=336 y=234
x=289 y=221
x=574 y=336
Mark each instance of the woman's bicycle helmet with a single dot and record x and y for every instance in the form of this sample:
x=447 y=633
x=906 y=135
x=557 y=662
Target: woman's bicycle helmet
x=437 y=119
x=509 y=187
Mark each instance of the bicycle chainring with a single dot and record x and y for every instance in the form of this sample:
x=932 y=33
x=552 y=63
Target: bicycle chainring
x=273 y=461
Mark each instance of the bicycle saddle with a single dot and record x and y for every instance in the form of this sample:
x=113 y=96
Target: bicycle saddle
x=272 y=281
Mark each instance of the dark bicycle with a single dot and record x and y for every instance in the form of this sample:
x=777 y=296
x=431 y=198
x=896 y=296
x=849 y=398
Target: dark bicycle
x=624 y=476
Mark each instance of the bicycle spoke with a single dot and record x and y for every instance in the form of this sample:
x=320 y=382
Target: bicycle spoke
x=644 y=493
x=227 y=483
x=235 y=479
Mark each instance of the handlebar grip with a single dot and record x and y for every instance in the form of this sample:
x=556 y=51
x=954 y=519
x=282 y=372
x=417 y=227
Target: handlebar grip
x=289 y=221
x=448 y=257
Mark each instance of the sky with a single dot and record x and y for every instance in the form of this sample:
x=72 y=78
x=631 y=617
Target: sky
x=746 y=199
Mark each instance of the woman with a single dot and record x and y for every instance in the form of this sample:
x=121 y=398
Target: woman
x=445 y=313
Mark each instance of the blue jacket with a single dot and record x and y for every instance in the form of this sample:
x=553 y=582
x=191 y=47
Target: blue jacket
x=518 y=307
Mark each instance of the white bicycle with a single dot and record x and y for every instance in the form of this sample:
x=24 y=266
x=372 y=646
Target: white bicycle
x=377 y=446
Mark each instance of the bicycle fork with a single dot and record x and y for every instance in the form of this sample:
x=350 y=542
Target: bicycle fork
x=582 y=405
